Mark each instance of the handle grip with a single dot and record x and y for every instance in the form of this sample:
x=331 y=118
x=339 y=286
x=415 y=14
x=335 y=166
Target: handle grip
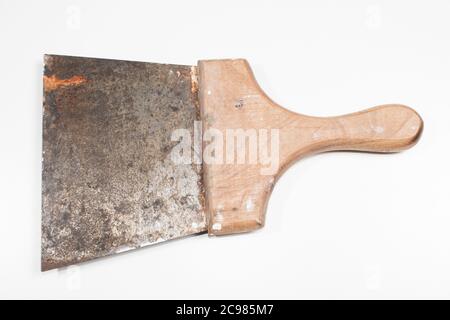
x=386 y=128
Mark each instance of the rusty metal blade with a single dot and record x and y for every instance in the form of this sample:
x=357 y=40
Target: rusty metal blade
x=108 y=183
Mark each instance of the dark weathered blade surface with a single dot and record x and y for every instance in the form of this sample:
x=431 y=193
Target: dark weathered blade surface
x=108 y=183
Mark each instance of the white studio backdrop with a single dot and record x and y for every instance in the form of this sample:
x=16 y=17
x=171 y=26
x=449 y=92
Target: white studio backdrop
x=339 y=225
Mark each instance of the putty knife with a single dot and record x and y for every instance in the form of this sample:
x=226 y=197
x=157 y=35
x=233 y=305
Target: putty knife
x=137 y=153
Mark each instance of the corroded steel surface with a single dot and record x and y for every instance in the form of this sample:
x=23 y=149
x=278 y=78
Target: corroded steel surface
x=108 y=183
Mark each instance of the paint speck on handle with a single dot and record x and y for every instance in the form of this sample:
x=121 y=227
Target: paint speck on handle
x=217 y=226
x=249 y=205
x=378 y=129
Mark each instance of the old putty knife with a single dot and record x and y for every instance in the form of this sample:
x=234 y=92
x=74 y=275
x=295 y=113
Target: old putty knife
x=137 y=153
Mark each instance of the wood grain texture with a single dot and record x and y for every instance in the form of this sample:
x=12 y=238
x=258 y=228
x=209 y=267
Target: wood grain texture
x=230 y=98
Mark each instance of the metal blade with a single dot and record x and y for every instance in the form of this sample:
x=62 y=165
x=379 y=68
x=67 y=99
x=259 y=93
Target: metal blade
x=108 y=183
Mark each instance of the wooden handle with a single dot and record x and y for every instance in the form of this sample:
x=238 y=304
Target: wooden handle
x=386 y=128
x=231 y=100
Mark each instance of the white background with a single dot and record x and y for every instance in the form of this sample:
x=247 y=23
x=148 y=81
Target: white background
x=339 y=225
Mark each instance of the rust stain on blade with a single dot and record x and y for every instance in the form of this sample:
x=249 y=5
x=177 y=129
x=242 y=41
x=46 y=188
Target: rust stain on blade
x=108 y=181
x=53 y=83
x=194 y=80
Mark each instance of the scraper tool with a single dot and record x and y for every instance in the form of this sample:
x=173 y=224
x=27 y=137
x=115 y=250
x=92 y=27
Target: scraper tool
x=138 y=153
